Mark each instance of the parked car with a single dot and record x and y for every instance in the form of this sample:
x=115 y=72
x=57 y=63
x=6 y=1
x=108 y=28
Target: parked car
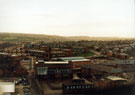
x=27 y=91
x=25 y=83
x=18 y=82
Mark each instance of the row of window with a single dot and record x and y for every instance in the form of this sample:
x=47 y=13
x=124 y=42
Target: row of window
x=42 y=70
x=59 y=71
x=79 y=87
x=45 y=70
x=78 y=50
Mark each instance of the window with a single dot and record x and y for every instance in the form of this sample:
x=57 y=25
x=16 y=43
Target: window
x=89 y=86
x=42 y=70
x=67 y=87
x=92 y=86
x=73 y=87
x=82 y=86
x=46 y=55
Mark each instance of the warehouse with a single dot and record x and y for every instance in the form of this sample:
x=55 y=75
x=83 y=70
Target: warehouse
x=90 y=70
x=53 y=69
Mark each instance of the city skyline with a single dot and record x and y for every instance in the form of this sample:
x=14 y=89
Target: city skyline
x=94 y=18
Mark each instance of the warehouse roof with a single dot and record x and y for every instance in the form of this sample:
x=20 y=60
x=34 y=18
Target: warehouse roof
x=73 y=59
x=119 y=62
x=102 y=68
x=56 y=62
x=115 y=78
x=53 y=62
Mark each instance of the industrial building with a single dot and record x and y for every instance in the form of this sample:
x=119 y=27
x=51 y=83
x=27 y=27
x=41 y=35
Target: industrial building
x=53 y=69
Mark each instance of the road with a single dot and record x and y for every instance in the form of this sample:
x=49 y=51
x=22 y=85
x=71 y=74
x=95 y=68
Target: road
x=33 y=85
x=97 y=53
x=47 y=90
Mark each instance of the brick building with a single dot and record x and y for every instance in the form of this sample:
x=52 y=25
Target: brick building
x=53 y=69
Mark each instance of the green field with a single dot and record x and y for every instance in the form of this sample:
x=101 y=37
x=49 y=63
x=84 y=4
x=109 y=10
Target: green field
x=10 y=38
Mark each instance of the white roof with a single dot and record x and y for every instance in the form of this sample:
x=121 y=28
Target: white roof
x=74 y=59
x=115 y=78
x=6 y=83
x=2 y=53
x=36 y=50
x=7 y=87
x=81 y=60
x=56 y=62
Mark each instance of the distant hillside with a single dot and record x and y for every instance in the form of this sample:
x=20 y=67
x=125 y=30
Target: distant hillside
x=29 y=37
x=19 y=37
x=76 y=38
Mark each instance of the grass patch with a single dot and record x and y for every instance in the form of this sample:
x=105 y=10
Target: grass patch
x=10 y=38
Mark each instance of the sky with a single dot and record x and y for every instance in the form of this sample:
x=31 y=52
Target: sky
x=95 y=18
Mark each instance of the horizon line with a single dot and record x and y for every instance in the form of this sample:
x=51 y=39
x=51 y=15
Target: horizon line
x=68 y=36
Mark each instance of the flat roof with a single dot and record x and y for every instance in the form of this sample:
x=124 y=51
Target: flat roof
x=129 y=61
x=80 y=60
x=54 y=62
x=6 y=83
x=102 y=68
x=36 y=50
x=2 y=53
x=123 y=54
x=73 y=59
x=7 y=87
x=115 y=78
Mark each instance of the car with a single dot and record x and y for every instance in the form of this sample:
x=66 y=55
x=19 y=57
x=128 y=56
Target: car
x=23 y=78
x=25 y=82
x=18 y=82
x=26 y=89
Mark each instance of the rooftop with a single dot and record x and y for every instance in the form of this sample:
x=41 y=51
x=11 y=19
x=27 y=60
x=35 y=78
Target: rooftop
x=102 y=68
x=56 y=62
x=119 y=62
x=53 y=62
x=73 y=59
x=36 y=51
x=7 y=87
x=115 y=78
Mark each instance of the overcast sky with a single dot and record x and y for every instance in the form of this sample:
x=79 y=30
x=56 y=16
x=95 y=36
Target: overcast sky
x=113 y=18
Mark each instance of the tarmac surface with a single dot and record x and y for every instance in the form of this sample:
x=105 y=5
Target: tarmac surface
x=48 y=90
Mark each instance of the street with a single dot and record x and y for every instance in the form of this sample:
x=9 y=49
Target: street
x=47 y=90
x=33 y=85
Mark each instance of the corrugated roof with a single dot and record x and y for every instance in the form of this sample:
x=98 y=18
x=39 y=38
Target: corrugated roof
x=119 y=62
x=102 y=68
